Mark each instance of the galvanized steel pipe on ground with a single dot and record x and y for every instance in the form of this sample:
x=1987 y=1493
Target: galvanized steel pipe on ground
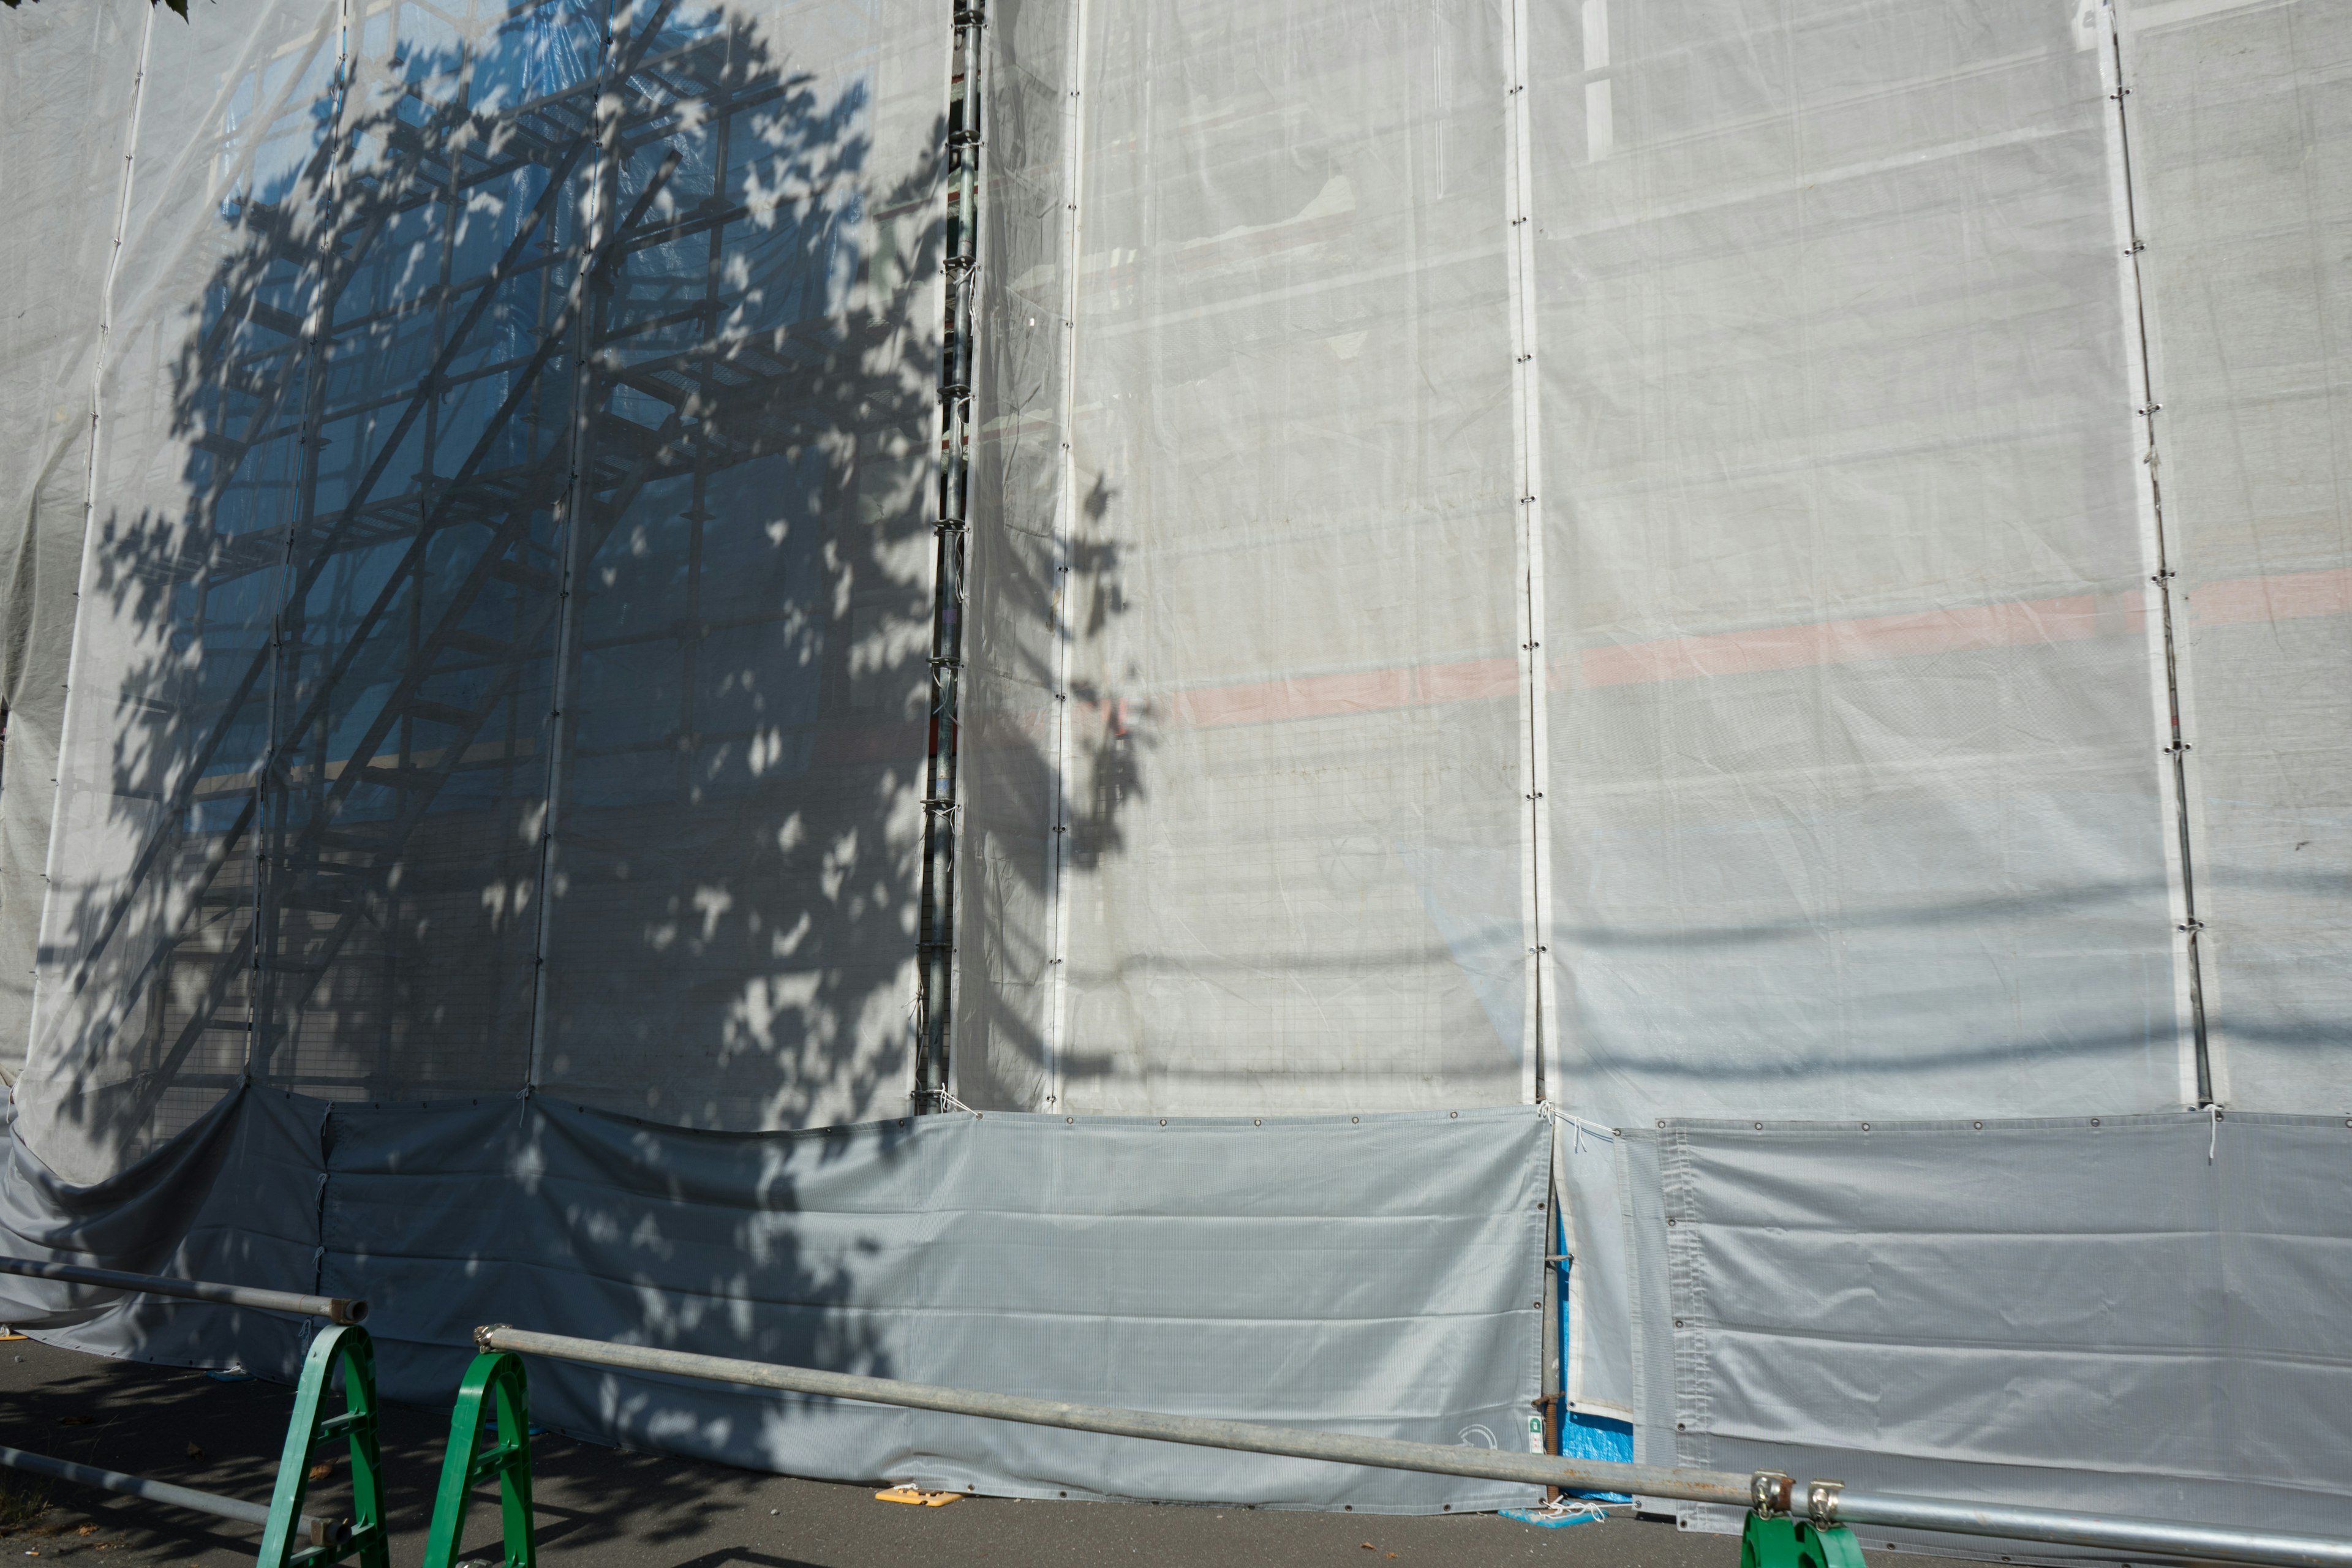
x=165 y=1492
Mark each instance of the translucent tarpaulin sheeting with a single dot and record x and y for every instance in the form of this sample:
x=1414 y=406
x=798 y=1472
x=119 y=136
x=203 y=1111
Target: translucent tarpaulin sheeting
x=1842 y=555
x=1607 y=550
x=594 y=686
x=49 y=348
x=147 y=943
x=1854 y=783
x=2242 y=124
x=1291 y=773
x=1793 y=434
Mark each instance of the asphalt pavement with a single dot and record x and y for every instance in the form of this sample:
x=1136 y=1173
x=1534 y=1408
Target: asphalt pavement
x=605 y=1508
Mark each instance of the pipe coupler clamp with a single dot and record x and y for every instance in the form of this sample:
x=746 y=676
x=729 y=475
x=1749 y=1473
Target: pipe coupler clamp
x=1768 y=1493
x=482 y=1336
x=1821 y=1502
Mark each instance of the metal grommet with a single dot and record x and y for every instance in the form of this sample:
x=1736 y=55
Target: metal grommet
x=1455 y=1116
x=1759 y=1126
x=2094 y=1121
x=1260 y=1121
x=1069 y=1122
x=1979 y=1126
x=1670 y=1221
x=1352 y=1120
x=1865 y=1127
x=1164 y=1121
x=1678 y=1322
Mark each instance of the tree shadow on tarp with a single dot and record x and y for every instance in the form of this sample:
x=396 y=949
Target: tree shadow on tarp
x=522 y=677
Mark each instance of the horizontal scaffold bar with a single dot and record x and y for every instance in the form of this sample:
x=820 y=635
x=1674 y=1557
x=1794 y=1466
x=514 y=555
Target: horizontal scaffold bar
x=334 y=1309
x=1829 y=1502
x=1248 y=1437
x=316 y=1530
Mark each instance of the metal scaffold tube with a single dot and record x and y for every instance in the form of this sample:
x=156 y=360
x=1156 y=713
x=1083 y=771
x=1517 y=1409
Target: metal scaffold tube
x=1828 y=1503
x=936 y=934
x=334 y=1309
x=314 y=1530
x=1245 y=1437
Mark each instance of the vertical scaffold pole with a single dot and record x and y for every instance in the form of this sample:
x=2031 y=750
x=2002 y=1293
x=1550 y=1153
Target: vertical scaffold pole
x=960 y=271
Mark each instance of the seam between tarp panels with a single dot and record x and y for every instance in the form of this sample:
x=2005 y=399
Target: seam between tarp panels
x=1693 y=1402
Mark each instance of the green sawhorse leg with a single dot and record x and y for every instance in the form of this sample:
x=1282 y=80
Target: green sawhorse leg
x=495 y=1379
x=1785 y=1542
x=349 y=1350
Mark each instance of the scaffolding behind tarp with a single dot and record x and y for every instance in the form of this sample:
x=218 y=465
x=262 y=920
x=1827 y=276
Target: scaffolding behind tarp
x=504 y=600
x=732 y=569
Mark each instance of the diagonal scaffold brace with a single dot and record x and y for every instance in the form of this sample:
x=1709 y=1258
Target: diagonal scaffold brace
x=348 y=1350
x=494 y=1381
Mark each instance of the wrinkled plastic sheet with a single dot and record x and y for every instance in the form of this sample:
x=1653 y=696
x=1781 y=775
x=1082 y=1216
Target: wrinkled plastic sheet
x=2139 y=1315
x=1376 y=1276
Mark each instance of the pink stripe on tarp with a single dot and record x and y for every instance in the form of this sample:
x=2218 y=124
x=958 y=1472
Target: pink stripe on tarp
x=2024 y=623
x=2284 y=596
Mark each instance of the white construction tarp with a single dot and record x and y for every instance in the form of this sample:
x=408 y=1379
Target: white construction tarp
x=1716 y=568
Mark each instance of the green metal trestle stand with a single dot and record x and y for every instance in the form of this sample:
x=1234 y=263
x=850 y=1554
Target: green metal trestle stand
x=348 y=1350
x=1797 y=1544
x=1775 y=1537
x=495 y=1379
